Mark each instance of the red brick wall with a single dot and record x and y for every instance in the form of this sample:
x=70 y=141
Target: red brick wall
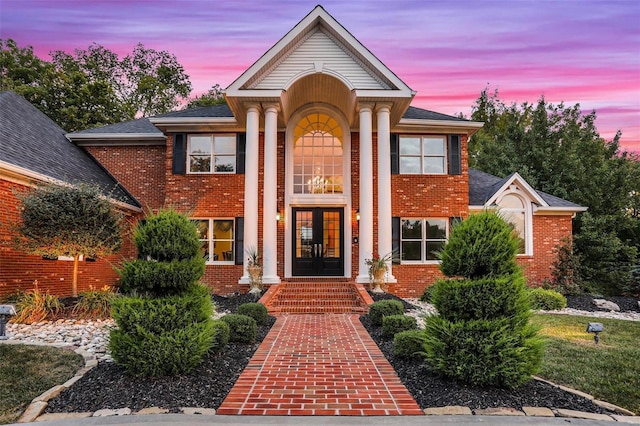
x=140 y=169
x=18 y=270
x=548 y=232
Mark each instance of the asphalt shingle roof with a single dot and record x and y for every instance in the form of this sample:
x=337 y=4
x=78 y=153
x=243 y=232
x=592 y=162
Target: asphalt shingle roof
x=141 y=125
x=208 y=111
x=425 y=114
x=483 y=186
x=31 y=140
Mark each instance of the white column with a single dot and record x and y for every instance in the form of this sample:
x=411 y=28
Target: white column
x=270 y=197
x=251 y=186
x=385 y=242
x=365 y=247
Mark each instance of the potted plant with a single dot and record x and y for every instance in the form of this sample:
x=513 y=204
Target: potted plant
x=254 y=270
x=378 y=266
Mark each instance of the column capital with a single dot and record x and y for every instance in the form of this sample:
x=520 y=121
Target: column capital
x=271 y=107
x=252 y=106
x=383 y=108
x=365 y=107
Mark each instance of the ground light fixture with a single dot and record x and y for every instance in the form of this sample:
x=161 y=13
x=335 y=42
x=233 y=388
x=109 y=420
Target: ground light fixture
x=6 y=311
x=595 y=328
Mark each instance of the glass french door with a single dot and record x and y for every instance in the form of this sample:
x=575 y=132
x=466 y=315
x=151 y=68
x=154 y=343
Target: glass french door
x=318 y=241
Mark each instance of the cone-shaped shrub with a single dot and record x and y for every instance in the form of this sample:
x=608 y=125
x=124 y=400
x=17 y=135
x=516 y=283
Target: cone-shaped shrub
x=165 y=327
x=482 y=335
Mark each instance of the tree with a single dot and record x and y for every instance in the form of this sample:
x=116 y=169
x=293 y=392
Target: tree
x=94 y=87
x=558 y=150
x=213 y=97
x=68 y=221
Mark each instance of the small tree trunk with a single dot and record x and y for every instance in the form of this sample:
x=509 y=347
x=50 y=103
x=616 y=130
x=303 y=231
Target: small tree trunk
x=74 y=279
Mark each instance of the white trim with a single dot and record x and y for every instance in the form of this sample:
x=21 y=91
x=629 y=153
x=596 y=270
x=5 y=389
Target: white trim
x=192 y=120
x=440 y=123
x=325 y=200
x=519 y=181
x=118 y=136
x=539 y=211
x=18 y=171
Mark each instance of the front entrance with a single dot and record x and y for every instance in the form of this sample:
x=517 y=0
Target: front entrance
x=318 y=241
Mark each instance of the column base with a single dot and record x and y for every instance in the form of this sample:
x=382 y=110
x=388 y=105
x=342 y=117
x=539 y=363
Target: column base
x=271 y=279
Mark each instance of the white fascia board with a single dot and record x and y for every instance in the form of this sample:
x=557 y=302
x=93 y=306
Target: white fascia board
x=417 y=122
x=167 y=121
x=558 y=210
x=25 y=175
x=384 y=94
x=268 y=95
x=517 y=179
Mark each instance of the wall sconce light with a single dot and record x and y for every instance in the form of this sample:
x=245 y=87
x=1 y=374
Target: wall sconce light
x=278 y=216
x=358 y=215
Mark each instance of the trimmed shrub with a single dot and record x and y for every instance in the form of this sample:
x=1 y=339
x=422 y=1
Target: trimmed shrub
x=242 y=329
x=427 y=294
x=493 y=352
x=220 y=338
x=409 y=344
x=167 y=329
x=392 y=324
x=257 y=311
x=481 y=245
x=383 y=308
x=547 y=300
x=486 y=298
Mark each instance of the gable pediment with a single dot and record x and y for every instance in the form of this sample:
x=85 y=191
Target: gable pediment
x=318 y=52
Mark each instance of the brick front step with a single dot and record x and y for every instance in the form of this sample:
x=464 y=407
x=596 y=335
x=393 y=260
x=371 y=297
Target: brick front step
x=314 y=297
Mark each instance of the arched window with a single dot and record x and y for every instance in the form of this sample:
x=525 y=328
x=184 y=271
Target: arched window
x=317 y=155
x=514 y=210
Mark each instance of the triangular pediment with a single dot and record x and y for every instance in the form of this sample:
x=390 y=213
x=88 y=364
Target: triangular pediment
x=318 y=44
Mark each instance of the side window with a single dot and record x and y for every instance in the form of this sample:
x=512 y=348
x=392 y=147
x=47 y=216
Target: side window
x=217 y=237
x=211 y=154
x=422 y=154
x=422 y=238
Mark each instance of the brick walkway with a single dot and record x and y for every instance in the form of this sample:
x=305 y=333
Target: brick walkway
x=319 y=365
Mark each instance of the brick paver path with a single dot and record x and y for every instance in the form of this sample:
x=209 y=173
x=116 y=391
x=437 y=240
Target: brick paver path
x=319 y=365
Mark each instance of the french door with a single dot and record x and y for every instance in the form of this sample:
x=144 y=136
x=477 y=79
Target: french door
x=318 y=241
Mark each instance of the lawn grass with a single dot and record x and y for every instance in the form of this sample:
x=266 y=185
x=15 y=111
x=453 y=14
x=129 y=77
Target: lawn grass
x=610 y=371
x=27 y=371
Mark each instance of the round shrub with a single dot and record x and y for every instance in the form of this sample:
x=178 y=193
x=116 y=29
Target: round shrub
x=548 y=300
x=481 y=245
x=485 y=298
x=392 y=324
x=257 y=311
x=492 y=352
x=220 y=338
x=383 y=308
x=160 y=277
x=408 y=344
x=242 y=328
x=167 y=236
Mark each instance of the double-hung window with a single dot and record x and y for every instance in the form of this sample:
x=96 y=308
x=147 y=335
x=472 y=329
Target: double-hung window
x=211 y=154
x=423 y=154
x=422 y=238
x=217 y=239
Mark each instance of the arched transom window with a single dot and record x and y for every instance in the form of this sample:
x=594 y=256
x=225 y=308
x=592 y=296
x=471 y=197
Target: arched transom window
x=317 y=155
x=513 y=209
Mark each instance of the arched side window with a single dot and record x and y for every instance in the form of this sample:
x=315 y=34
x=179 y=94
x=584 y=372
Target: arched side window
x=317 y=155
x=516 y=209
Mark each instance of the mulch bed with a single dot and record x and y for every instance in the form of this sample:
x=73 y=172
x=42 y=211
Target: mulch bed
x=109 y=386
x=429 y=390
x=584 y=302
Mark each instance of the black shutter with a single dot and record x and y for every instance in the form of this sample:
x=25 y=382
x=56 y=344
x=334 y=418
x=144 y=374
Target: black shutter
x=395 y=154
x=179 y=154
x=455 y=155
x=239 y=240
x=453 y=222
x=241 y=150
x=395 y=239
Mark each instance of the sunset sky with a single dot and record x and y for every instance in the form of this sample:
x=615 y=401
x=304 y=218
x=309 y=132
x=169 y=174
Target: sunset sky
x=585 y=52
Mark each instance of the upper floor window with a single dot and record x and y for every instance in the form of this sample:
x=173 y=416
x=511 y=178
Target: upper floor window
x=217 y=239
x=211 y=153
x=422 y=239
x=423 y=154
x=317 y=155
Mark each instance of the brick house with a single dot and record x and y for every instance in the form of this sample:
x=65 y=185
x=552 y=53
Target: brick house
x=319 y=160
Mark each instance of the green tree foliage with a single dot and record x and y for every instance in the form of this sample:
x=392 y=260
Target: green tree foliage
x=482 y=335
x=213 y=97
x=94 y=87
x=68 y=221
x=558 y=150
x=165 y=326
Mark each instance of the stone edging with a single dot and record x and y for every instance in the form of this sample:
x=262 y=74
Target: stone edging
x=37 y=406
